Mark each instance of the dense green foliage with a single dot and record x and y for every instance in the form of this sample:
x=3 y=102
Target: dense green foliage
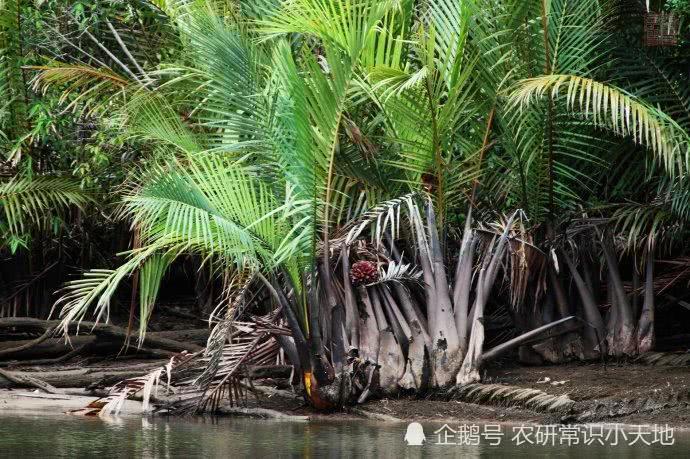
x=269 y=140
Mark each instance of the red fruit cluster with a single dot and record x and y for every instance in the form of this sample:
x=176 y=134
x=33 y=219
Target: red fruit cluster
x=363 y=272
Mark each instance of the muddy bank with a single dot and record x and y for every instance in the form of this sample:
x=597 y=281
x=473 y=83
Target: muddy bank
x=626 y=393
x=623 y=393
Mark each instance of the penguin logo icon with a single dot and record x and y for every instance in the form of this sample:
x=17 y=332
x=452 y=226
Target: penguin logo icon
x=415 y=434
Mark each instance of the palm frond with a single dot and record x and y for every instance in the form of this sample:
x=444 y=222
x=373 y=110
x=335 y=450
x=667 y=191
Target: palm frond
x=81 y=84
x=610 y=107
x=400 y=273
x=31 y=201
x=654 y=79
x=348 y=25
x=386 y=215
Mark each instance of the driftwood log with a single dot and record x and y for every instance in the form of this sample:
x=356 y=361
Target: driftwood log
x=94 y=377
x=68 y=378
x=104 y=336
x=77 y=377
x=12 y=379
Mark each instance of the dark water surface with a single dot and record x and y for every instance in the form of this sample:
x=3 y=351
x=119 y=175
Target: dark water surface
x=28 y=436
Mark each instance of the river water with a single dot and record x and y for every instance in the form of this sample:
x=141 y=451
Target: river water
x=28 y=436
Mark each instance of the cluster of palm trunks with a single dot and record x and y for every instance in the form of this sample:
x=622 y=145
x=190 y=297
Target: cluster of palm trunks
x=382 y=319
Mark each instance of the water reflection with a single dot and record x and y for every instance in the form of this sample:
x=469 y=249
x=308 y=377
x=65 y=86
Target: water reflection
x=69 y=436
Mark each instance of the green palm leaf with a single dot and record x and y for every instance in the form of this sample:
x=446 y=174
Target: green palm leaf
x=610 y=107
x=33 y=201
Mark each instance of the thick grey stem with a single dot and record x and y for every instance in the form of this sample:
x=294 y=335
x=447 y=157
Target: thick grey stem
x=645 y=328
x=390 y=356
x=462 y=287
x=417 y=369
x=445 y=350
x=425 y=261
x=396 y=313
x=558 y=292
x=410 y=312
x=369 y=340
x=592 y=314
x=401 y=330
x=635 y=298
x=625 y=323
x=297 y=335
x=126 y=51
x=467 y=238
x=112 y=56
x=351 y=315
x=469 y=371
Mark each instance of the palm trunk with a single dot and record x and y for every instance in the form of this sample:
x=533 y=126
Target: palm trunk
x=351 y=314
x=417 y=367
x=570 y=345
x=559 y=293
x=336 y=312
x=312 y=366
x=425 y=262
x=645 y=327
x=390 y=357
x=635 y=298
x=611 y=317
x=411 y=313
x=624 y=325
x=469 y=371
x=445 y=350
x=369 y=342
x=401 y=330
x=589 y=306
x=463 y=284
x=368 y=345
x=300 y=341
x=287 y=344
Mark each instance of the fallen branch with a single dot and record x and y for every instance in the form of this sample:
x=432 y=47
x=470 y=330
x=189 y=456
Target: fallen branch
x=532 y=335
x=103 y=393
x=107 y=330
x=50 y=348
x=13 y=350
x=270 y=391
x=24 y=380
x=69 y=378
x=176 y=341
x=64 y=358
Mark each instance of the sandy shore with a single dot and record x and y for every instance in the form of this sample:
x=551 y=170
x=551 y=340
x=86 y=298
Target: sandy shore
x=29 y=401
